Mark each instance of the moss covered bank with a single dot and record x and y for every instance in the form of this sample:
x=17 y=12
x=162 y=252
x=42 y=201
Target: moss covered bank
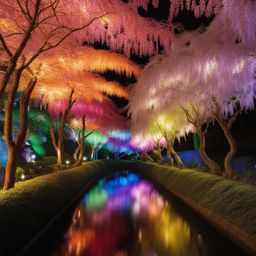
x=229 y=205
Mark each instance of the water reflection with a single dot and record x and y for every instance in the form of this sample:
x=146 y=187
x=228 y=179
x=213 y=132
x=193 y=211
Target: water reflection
x=125 y=215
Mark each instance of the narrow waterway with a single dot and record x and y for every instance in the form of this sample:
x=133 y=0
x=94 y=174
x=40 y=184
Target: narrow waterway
x=124 y=214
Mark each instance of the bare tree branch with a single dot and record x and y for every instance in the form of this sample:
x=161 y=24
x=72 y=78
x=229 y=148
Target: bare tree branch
x=19 y=50
x=43 y=48
x=233 y=118
x=5 y=46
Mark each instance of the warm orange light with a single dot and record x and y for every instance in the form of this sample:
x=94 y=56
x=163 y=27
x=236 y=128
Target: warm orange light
x=88 y=59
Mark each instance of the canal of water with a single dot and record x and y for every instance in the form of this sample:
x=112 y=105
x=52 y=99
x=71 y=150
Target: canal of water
x=125 y=214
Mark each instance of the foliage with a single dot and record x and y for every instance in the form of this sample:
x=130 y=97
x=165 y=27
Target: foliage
x=38 y=121
x=207 y=76
x=36 y=142
x=188 y=76
x=19 y=173
x=96 y=139
x=119 y=142
x=27 y=154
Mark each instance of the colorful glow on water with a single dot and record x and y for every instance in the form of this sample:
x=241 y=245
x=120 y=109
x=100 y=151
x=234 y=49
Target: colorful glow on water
x=125 y=215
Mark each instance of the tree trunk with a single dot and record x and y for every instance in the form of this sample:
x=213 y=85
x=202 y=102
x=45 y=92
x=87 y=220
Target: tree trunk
x=92 y=152
x=148 y=157
x=10 y=169
x=212 y=165
x=226 y=127
x=15 y=146
x=6 y=78
x=198 y=121
x=160 y=159
x=168 y=148
x=81 y=154
x=59 y=155
x=96 y=155
x=61 y=141
x=81 y=143
x=230 y=155
x=75 y=155
x=59 y=146
x=178 y=161
x=169 y=156
x=156 y=157
x=145 y=157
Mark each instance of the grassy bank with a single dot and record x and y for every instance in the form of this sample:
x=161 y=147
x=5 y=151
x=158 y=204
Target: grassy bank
x=27 y=208
x=228 y=205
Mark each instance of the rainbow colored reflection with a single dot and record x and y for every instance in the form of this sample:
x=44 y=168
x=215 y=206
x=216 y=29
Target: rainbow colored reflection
x=125 y=215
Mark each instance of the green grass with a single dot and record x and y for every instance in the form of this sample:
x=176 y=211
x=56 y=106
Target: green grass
x=233 y=200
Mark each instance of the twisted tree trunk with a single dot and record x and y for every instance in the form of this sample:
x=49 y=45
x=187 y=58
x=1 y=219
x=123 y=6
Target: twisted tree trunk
x=171 y=153
x=81 y=143
x=177 y=158
x=97 y=149
x=10 y=169
x=212 y=165
x=15 y=146
x=197 y=120
x=231 y=154
x=158 y=153
x=226 y=126
x=168 y=148
x=146 y=157
x=58 y=143
x=169 y=156
x=75 y=155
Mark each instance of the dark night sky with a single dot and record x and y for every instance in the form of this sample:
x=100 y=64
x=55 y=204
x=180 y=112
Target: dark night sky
x=244 y=128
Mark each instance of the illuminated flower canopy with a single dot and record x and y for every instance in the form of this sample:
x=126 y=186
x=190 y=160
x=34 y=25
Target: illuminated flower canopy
x=86 y=59
x=196 y=67
x=201 y=66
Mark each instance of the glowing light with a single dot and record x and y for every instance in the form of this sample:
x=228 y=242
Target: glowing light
x=140 y=235
x=210 y=67
x=104 y=21
x=238 y=67
x=99 y=223
x=22 y=176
